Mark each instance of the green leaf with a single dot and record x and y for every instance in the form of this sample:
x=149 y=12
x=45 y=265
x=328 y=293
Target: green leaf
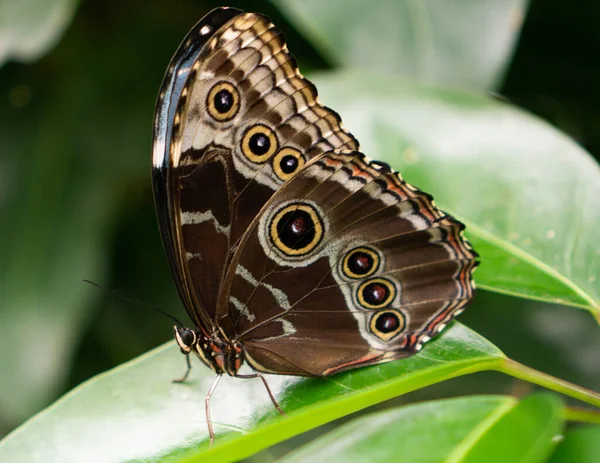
x=529 y=195
x=527 y=434
x=62 y=180
x=469 y=429
x=134 y=411
x=30 y=28
x=466 y=44
x=579 y=446
x=59 y=211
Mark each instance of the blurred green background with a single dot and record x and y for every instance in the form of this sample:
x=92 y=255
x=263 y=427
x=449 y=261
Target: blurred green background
x=75 y=196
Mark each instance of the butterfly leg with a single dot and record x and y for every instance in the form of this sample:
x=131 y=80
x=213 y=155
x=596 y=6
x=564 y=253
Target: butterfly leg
x=187 y=372
x=213 y=386
x=264 y=380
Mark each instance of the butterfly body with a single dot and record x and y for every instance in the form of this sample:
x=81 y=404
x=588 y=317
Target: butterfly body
x=292 y=251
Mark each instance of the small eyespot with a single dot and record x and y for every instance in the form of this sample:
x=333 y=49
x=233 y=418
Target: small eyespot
x=360 y=263
x=259 y=143
x=296 y=229
x=387 y=324
x=287 y=162
x=223 y=101
x=376 y=293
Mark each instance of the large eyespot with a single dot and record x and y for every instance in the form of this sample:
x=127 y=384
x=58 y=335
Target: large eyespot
x=223 y=101
x=387 y=324
x=296 y=229
x=259 y=143
x=287 y=162
x=376 y=293
x=360 y=263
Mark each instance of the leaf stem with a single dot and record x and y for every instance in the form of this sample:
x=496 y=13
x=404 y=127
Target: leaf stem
x=518 y=370
x=582 y=415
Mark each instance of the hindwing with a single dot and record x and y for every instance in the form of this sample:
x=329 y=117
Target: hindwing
x=346 y=265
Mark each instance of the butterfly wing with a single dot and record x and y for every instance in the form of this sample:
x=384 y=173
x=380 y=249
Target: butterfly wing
x=234 y=120
x=346 y=265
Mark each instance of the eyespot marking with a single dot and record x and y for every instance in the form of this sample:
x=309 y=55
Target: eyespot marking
x=360 y=263
x=376 y=293
x=296 y=229
x=223 y=101
x=387 y=324
x=259 y=143
x=287 y=162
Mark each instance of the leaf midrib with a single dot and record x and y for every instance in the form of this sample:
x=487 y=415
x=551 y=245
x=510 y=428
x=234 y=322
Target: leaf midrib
x=461 y=451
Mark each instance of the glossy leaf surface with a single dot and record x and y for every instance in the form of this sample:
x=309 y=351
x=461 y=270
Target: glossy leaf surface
x=29 y=28
x=134 y=411
x=461 y=44
x=581 y=445
x=498 y=169
x=467 y=429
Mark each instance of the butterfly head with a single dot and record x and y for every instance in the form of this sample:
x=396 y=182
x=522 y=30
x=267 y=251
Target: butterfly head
x=222 y=356
x=186 y=338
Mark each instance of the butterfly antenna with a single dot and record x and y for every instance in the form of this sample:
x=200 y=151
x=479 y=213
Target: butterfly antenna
x=136 y=301
x=499 y=97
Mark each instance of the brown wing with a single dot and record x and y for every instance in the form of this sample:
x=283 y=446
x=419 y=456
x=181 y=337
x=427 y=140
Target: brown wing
x=346 y=265
x=240 y=120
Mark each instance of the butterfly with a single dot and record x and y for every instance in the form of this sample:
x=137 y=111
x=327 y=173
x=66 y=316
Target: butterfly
x=291 y=251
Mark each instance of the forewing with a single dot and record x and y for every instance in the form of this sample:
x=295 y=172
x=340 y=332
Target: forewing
x=234 y=121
